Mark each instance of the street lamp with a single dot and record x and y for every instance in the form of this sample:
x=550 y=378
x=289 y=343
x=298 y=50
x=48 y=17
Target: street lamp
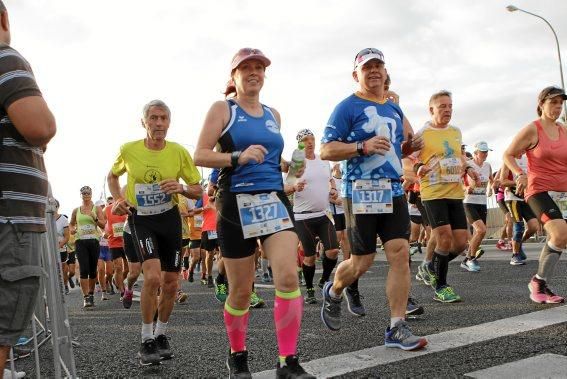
x=512 y=8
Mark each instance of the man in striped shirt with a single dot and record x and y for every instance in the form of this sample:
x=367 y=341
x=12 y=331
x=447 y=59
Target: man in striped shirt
x=26 y=126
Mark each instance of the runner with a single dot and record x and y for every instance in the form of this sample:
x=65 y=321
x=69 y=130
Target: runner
x=134 y=266
x=476 y=209
x=105 y=268
x=71 y=260
x=520 y=211
x=368 y=131
x=251 y=190
x=209 y=241
x=62 y=225
x=114 y=231
x=544 y=142
x=310 y=212
x=195 y=224
x=338 y=212
x=440 y=167
x=506 y=232
x=154 y=167
x=85 y=221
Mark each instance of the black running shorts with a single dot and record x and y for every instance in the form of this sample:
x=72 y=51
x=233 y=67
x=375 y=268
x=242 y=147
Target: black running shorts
x=129 y=249
x=117 y=252
x=416 y=219
x=230 y=235
x=363 y=228
x=158 y=237
x=475 y=212
x=308 y=230
x=340 y=223
x=194 y=244
x=544 y=207
x=446 y=212
x=520 y=210
x=208 y=244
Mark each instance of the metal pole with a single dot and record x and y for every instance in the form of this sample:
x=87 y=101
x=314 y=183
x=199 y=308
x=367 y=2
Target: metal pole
x=558 y=51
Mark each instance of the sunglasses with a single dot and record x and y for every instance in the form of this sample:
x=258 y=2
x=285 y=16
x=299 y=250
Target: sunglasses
x=86 y=193
x=367 y=51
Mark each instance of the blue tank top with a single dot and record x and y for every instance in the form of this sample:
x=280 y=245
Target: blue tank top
x=242 y=131
x=357 y=119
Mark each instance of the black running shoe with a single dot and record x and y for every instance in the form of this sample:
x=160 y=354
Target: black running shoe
x=237 y=364
x=164 y=349
x=292 y=369
x=413 y=308
x=86 y=302
x=71 y=283
x=91 y=300
x=210 y=283
x=149 y=354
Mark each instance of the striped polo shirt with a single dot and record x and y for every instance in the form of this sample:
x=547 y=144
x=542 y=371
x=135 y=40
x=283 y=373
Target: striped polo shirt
x=23 y=179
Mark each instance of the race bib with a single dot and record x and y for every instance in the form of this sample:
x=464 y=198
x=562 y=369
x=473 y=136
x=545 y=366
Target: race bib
x=152 y=200
x=262 y=214
x=372 y=196
x=560 y=199
x=118 y=229
x=198 y=221
x=212 y=234
x=450 y=170
x=87 y=231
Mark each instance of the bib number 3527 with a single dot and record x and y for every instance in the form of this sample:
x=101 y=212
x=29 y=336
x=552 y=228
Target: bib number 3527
x=262 y=214
x=372 y=196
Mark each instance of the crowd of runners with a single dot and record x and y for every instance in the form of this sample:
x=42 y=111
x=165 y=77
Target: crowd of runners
x=374 y=184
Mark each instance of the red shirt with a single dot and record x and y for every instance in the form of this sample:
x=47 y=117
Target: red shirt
x=209 y=215
x=114 y=228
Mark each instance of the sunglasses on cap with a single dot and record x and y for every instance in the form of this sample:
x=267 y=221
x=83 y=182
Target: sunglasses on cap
x=367 y=54
x=86 y=190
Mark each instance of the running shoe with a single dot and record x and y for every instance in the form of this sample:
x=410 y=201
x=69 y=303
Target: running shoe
x=479 y=253
x=127 y=298
x=185 y=274
x=256 y=301
x=321 y=283
x=310 y=296
x=471 y=265
x=522 y=254
x=413 y=308
x=502 y=245
x=104 y=296
x=237 y=364
x=97 y=288
x=508 y=246
x=354 y=305
x=517 y=260
x=149 y=353
x=331 y=309
x=266 y=278
x=71 y=283
x=300 y=278
x=210 y=283
x=86 y=302
x=181 y=297
x=446 y=294
x=111 y=291
x=292 y=369
x=221 y=292
x=190 y=278
x=540 y=293
x=203 y=281
x=426 y=272
x=91 y=299
x=9 y=374
x=66 y=290
x=400 y=336
x=163 y=347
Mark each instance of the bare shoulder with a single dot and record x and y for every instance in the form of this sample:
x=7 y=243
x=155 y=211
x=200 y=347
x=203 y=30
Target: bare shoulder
x=276 y=115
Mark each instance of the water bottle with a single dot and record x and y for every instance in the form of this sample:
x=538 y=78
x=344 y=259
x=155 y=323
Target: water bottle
x=297 y=160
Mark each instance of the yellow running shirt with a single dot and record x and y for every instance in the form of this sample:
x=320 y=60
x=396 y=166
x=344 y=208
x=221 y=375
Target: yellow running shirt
x=145 y=166
x=442 y=153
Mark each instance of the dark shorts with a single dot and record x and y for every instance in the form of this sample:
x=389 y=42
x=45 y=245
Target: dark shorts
x=363 y=228
x=208 y=244
x=64 y=256
x=416 y=219
x=105 y=254
x=340 y=223
x=230 y=236
x=20 y=272
x=544 y=207
x=503 y=207
x=88 y=252
x=475 y=212
x=158 y=237
x=520 y=210
x=308 y=230
x=423 y=211
x=185 y=242
x=446 y=212
x=194 y=244
x=117 y=253
x=129 y=249
x=71 y=258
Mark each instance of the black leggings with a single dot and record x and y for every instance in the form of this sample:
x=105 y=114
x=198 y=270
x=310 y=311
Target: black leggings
x=87 y=253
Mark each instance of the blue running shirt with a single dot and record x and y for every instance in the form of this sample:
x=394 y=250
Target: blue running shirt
x=242 y=131
x=356 y=119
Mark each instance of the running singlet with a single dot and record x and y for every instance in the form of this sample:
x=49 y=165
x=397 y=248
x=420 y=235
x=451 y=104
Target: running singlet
x=478 y=195
x=86 y=226
x=510 y=192
x=209 y=217
x=183 y=208
x=146 y=168
x=314 y=199
x=61 y=224
x=242 y=131
x=357 y=119
x=547 y=163
x=114 y=228
x=195 y=222
x=441 y=152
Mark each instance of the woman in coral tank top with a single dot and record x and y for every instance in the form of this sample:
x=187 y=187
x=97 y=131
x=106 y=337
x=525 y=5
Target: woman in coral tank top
x=545 y=185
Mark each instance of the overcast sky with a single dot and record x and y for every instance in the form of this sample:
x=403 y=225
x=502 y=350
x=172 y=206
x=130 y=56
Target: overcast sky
x=99 y=62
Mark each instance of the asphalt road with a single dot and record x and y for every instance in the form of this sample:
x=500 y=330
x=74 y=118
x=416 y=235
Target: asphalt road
x=109 y=335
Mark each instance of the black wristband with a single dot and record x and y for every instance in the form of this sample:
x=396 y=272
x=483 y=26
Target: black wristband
x=360 y=148
x=234 y=158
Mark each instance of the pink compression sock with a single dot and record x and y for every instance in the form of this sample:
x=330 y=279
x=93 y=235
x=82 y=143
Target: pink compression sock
x=236 y=322
x=288 y=311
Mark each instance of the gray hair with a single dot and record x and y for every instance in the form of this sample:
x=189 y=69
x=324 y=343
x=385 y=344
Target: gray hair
x=154 y=103
x=439 y=94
